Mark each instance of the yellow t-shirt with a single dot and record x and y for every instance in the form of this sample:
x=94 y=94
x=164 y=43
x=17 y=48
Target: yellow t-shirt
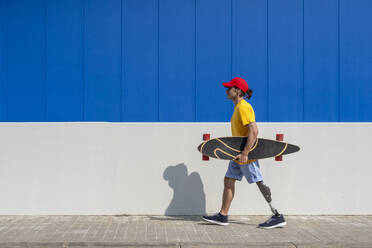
x=242 y=116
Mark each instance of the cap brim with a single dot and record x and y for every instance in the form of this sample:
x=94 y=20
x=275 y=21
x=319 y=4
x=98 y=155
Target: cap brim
x=227 y=85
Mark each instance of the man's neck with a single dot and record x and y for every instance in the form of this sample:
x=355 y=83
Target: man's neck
x=237 y=100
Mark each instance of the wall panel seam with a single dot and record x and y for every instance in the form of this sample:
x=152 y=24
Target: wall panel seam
x=303 y=60
x=195 y=61
x=338 y=61
x=121 y=61
x=84 y=58
x=46 y=61
x=6 y=62
x=267 y=63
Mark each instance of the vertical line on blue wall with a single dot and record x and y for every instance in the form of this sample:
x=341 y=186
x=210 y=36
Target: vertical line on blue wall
x=338 y=61
x=267 y=61
x=6 y=61
x=231 y=40
x=303 y=60
x=84 y=58
x=121 y=60
x=45 y=61
x=195 y=61
x=158 y=64
x=123 y=68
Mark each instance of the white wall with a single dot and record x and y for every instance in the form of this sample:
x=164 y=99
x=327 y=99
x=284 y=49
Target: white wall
x=138 y=168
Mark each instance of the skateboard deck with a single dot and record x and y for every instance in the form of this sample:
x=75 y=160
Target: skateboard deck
x=229 y=147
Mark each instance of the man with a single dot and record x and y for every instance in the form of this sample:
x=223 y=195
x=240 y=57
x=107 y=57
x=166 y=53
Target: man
x=243 y=123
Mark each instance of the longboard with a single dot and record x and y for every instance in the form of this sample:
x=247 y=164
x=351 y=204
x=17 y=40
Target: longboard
x=229 y=147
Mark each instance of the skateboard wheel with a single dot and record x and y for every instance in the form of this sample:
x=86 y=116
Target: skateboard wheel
x=279 y=137
x=206 y=137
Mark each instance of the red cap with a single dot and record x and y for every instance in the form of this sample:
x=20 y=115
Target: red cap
x=237 y=82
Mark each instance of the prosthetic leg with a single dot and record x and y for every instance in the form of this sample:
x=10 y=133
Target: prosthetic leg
x=265 y=190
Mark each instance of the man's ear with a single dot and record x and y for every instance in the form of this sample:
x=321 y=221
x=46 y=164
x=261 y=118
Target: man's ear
x=241 y=93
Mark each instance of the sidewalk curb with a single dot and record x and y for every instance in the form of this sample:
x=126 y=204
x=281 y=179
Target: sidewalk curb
x=142 y=244
x=183 y=244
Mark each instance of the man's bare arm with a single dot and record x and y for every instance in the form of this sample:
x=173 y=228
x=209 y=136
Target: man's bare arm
x=252 y=136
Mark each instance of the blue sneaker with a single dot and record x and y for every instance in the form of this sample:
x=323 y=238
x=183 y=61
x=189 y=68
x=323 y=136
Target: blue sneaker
x=274 y=221
x=218 y=219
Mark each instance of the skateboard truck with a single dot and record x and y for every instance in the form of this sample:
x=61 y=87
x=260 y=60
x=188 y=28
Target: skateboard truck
x=279 y=137
x=206 y=137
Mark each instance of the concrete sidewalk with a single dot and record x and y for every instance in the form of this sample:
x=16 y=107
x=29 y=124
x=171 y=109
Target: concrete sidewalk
x=182 y=231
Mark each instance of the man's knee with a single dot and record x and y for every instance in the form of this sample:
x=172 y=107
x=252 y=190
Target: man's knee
x=229 y=182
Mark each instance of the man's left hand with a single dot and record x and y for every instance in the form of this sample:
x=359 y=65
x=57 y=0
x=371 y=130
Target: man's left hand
x=242 y=158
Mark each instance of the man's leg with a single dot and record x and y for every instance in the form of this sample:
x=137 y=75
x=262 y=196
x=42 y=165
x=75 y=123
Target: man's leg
x=253 y=174
x=228 y=195
x=265 y=190
x=277 y=220
x=233 y=173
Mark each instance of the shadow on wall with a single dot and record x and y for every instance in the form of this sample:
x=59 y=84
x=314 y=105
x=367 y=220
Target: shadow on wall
x=188 y=191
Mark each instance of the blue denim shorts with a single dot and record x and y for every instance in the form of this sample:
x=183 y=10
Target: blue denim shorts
x=251 y=171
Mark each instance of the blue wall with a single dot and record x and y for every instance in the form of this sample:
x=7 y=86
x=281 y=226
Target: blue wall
x=165 y=60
